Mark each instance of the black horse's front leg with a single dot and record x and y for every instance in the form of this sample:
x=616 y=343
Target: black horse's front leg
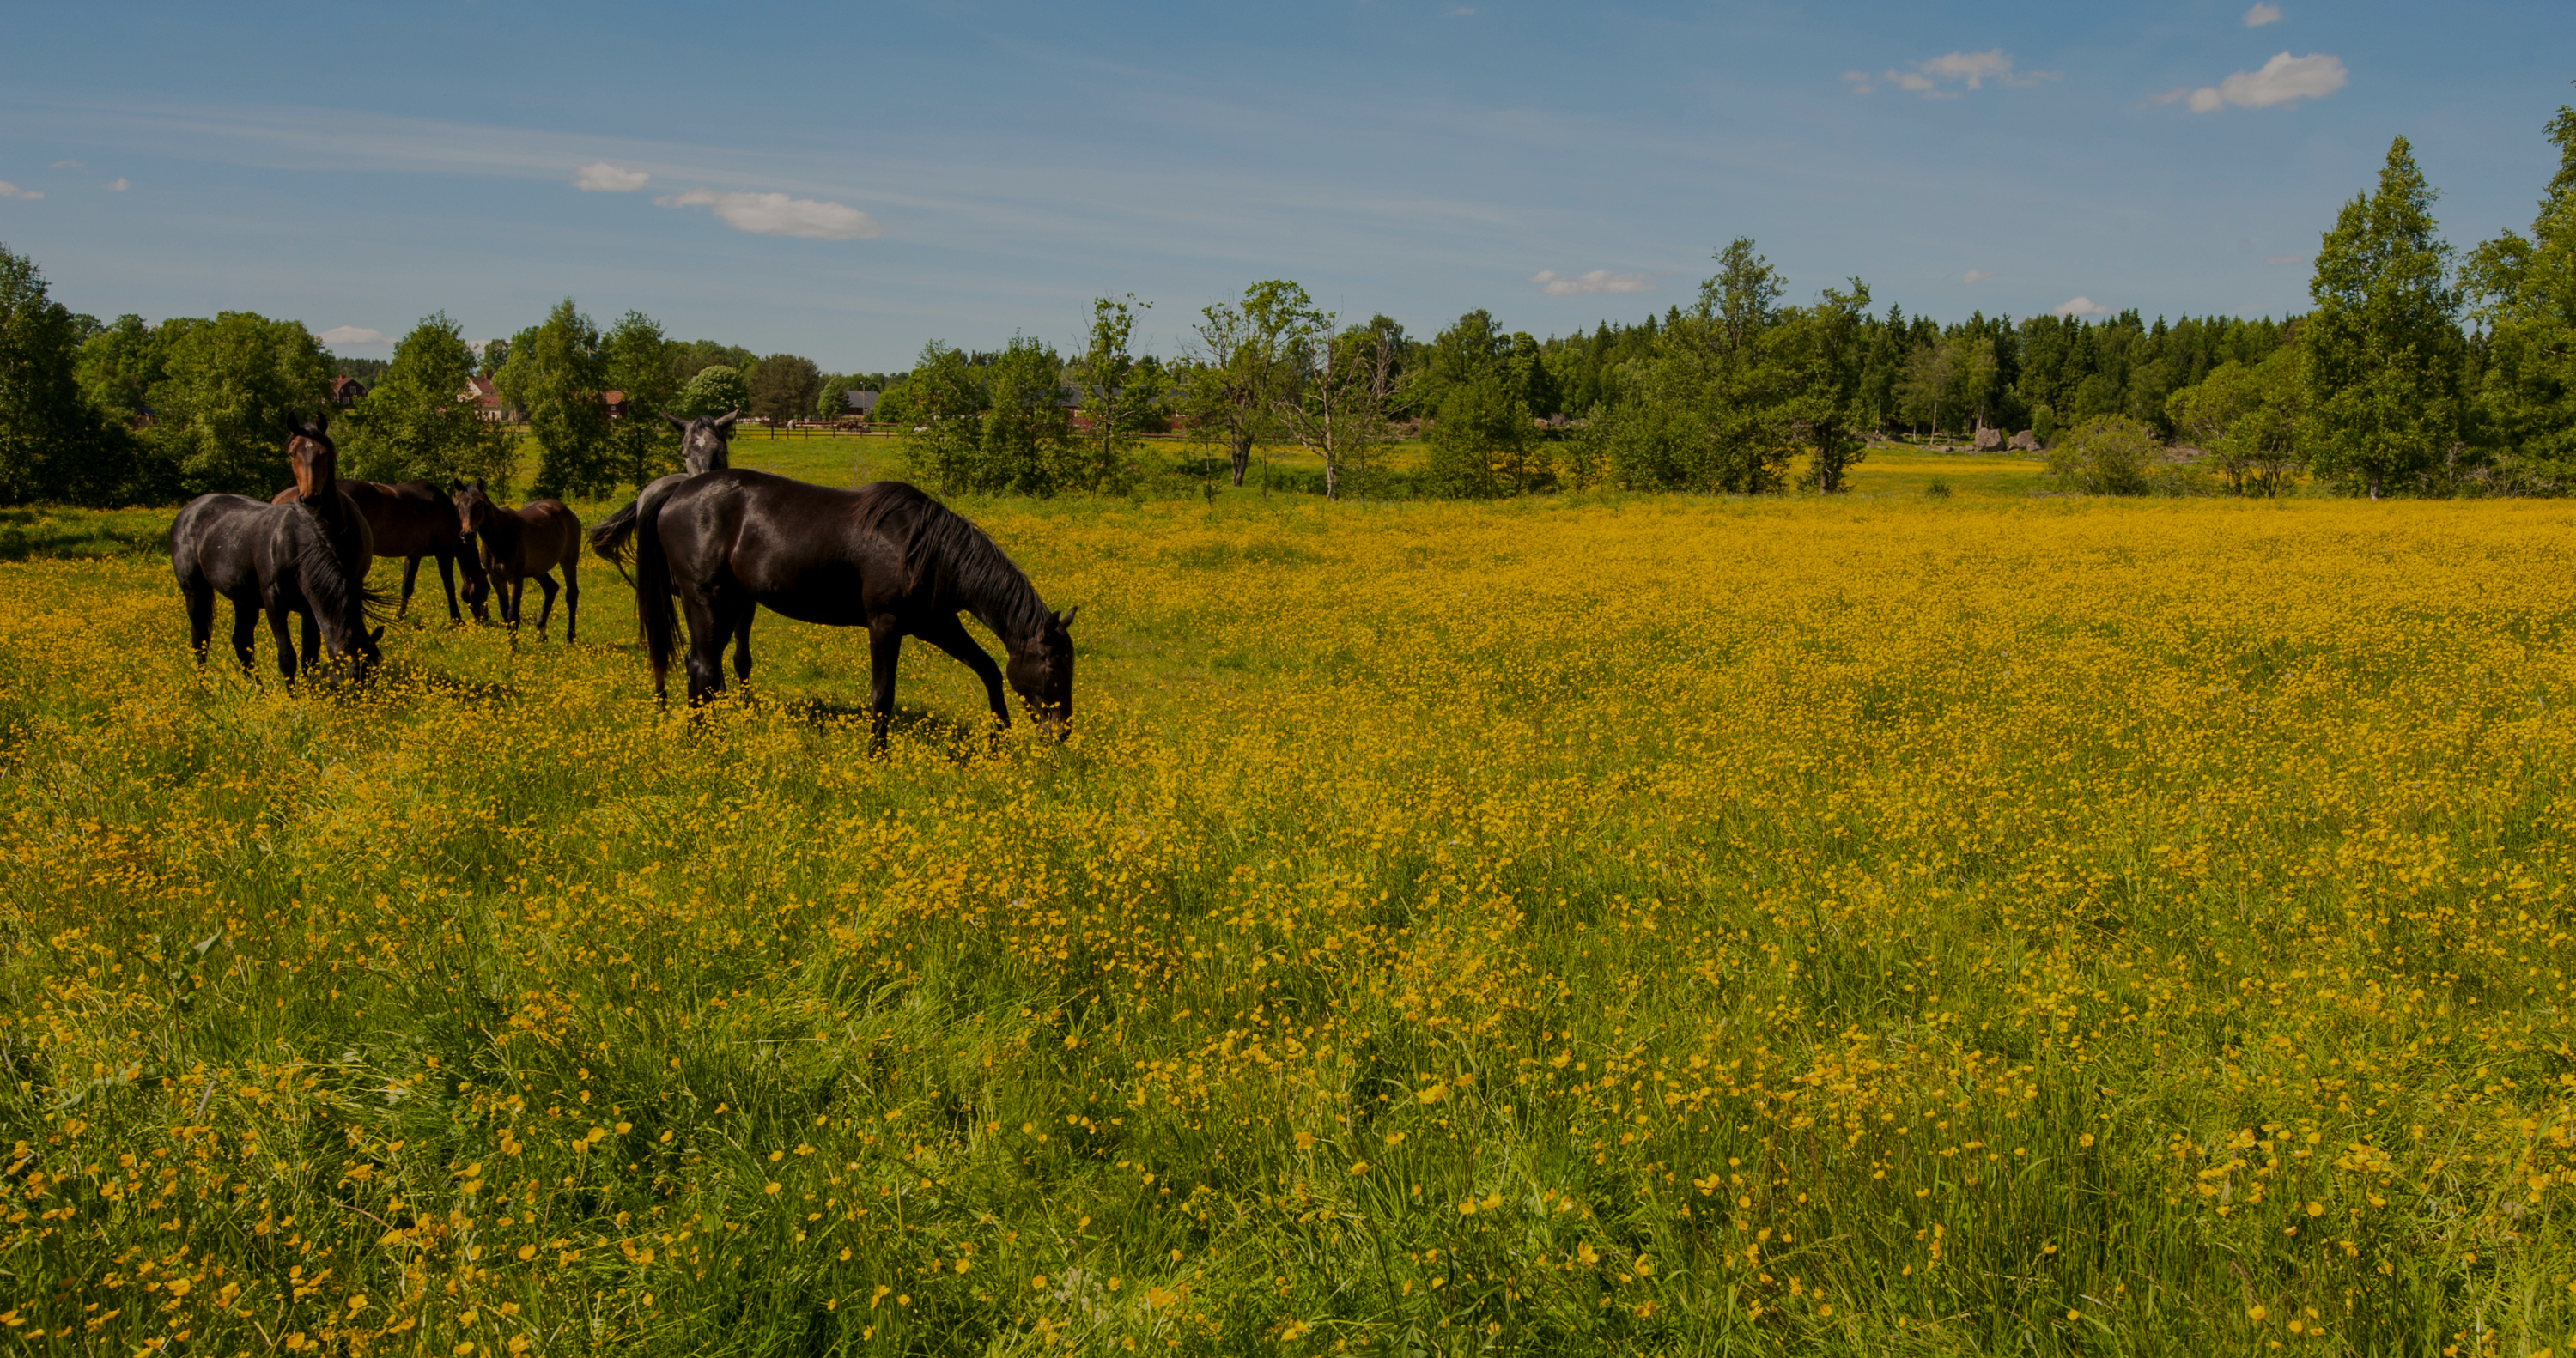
x=411 y=572
x=245 y=626
x=285 y=635
x=546 y=605
x=951 y=636
x=447 y=581
x=885 y=651
x=312 y=639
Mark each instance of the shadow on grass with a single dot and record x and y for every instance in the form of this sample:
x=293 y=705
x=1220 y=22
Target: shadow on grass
x=84 y=534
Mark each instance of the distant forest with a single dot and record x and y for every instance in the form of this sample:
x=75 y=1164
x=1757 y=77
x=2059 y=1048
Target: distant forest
x=2417 y=370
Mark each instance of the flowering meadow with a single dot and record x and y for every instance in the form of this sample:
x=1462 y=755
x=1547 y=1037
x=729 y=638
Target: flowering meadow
x=1654 y=926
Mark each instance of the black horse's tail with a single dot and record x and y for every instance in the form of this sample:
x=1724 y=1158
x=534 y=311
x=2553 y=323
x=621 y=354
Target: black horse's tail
x=613 y=538
x=652 y=588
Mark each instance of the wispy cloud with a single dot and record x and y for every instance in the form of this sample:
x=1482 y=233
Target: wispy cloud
x=119 y=184
x=9 y=190
x=776 y=214
x=601 y=177
x=349 y=336
x=69 y=165
x=2281 y=80
x=2263 y=13
x=1555 y=284
x=1934 y=78
x=1975 y=276
x=2285 y=259
x=2079 y=306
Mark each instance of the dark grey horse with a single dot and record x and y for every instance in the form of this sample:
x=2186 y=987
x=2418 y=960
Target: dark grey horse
x=307 y=556
x=703 y=448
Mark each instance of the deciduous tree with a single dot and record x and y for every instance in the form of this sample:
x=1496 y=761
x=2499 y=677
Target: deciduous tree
x=557 y=374
x=417 y=423
x=2381 y=354
x=227 y=388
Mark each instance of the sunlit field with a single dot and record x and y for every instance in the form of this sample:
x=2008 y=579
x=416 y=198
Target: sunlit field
x=1894 y=925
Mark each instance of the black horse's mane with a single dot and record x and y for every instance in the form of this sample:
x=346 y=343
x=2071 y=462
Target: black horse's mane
x=943 y=548
x=322 y=564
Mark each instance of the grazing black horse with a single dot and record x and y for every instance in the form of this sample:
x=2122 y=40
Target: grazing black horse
x=884 y=556
x=308 y=555
x=703 y=449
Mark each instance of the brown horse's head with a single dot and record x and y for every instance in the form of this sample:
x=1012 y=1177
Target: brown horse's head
x=315 y=459
x=474 y=508
x=1041 y=672
x=702 y=441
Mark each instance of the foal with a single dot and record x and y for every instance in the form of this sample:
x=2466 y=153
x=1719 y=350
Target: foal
x=518 y=544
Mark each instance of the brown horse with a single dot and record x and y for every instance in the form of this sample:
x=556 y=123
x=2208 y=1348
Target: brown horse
x=307 y=556
x=518 y=544
x=412 y=520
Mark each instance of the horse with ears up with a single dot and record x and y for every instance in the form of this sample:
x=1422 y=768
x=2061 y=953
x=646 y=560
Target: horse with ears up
x=306 y=556
x=520 y=544
x=704 y=447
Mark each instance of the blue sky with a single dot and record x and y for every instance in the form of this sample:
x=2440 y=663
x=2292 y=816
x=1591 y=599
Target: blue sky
x=848 y=181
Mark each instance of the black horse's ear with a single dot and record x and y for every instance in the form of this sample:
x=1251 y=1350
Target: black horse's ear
x=478 y=483
x=725 y=421
x=455 y=485
x=322 y=421
x=676 y=422
x=375 y=636
x=1064 y=619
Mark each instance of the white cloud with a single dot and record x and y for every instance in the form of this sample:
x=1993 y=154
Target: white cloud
x=1976 y=276
x=2263 y=13
x=1970 y=70
x=118 y=185
x=776 y=214
x=345 y=336
x=69 y=165
x=2079 y=306
x=1859 y=81
x=601 y=177
x=2281 y=80
x=2285 y=259
x=1555 y=284
x=9 y=190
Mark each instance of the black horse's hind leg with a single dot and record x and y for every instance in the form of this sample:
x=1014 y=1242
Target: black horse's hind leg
x=706 y=645
x=285 y=640
x=950 y=635
x=572 y=596
x=411 y=571
x=545 y=606
x=742 y=645
x=885 y=651
x=201 y=618
x=245 y=625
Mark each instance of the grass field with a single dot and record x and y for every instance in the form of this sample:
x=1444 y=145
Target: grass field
x=1610 y=925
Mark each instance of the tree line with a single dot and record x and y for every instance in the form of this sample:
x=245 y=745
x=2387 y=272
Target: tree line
x=2416 y=371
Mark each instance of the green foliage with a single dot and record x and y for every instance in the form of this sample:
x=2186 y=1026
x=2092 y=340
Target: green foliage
x=227 y=388
x=696 y=356
x=56 y=443
x=944 y=401
x=2246 y=416
x=1242 y=367
x=120 y=363
x=783 y=387
x=417 y=422
x=1027 y=446
x=713 y=391
x=636 y=359
x=1121 y=395
x=1482 y=443
x=2381 y=355
x=556 y=373
x=2106 y=455
x=2525 y=294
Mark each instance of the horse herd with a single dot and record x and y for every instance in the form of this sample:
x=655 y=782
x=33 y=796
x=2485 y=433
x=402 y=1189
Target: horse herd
x=711 y=542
